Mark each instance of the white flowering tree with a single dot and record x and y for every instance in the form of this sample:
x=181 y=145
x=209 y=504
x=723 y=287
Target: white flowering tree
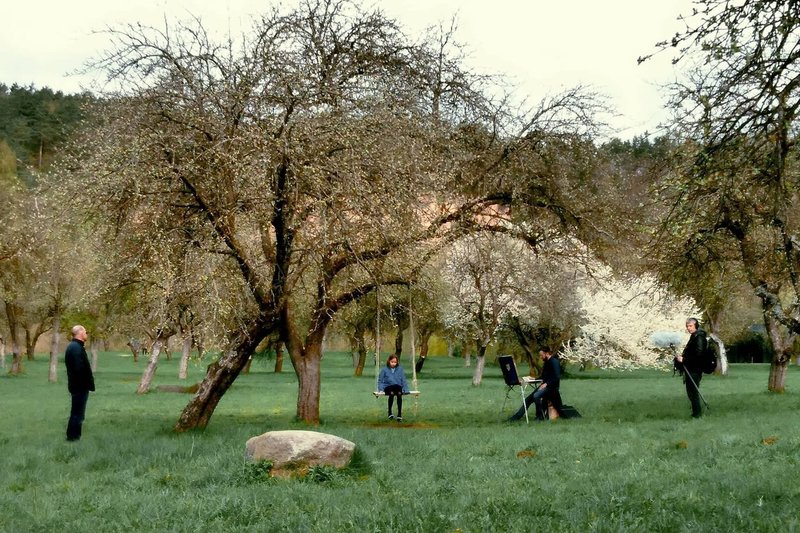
x=626 y=322
x=483 y=272
x=549 y=308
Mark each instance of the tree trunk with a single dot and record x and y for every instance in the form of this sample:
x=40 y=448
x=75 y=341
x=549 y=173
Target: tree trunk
x=398 y=342
x=362 y=352
x=247 y=365
x=780 y=363
x=777 y=374
x=32 y=336
x=135 y=346
x=186 y=350
x=423 y=350
x=94 y=349
x=165 y=347
x=307 y=368
x=278 y=357
x=522 y=339
x=467 y=353
x=201 y=351
x=30 y=344
x=16 y=361
x=150 y=369
x=220 y=376
x=16 y=354
x=52 y=376
x=477 y=376
x=714 y=321
x=424 y=341
x=450 y=349
x=2 y=354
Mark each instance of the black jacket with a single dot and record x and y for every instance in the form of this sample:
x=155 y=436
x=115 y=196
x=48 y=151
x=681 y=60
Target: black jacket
x=551 y=373
x=694 y=350
x=79 y=372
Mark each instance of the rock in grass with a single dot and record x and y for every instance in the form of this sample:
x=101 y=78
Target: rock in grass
x=293 y=452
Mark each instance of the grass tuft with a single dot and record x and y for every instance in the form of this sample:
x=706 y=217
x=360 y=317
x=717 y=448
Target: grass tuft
x=254 y=472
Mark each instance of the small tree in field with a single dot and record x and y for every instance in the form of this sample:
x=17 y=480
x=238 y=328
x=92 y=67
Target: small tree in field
x=17 y=240
x=357 y=323
x=483 y=272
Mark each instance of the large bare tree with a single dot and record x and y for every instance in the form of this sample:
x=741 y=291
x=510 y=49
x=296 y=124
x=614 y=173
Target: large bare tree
x=317 y=156
x=283 y=156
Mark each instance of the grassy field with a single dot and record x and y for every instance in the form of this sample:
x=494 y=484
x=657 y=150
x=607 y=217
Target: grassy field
x=636 y=461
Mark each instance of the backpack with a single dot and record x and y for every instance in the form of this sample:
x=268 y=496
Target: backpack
x=567 y=411
x=711 y=356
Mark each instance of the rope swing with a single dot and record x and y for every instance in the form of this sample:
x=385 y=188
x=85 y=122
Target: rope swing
x=377 y=343
x=413 y=344
x=378 y=393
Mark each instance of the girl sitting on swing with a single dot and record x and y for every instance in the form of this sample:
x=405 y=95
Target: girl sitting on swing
x=392 y=381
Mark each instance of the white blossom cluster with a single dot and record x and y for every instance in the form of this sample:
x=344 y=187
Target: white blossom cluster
x=623 y=322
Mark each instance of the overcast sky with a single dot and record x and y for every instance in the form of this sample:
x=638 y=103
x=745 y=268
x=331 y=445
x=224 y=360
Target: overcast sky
x=543 y=46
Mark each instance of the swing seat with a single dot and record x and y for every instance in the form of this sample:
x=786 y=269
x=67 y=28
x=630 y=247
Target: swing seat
x=379 y=393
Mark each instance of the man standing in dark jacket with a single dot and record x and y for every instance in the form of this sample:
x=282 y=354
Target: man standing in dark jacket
x=79 y=381
x=692 y=361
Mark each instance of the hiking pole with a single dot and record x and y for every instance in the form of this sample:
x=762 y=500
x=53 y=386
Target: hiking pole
x=688 y=375
x=683 y=370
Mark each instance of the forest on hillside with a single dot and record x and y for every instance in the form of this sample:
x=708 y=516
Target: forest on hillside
x=34 y=122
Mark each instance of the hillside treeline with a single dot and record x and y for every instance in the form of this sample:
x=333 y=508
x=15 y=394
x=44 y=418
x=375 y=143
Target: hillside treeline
x=34 y=122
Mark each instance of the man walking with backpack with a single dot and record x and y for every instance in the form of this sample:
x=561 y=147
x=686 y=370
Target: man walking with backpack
x=692 y=362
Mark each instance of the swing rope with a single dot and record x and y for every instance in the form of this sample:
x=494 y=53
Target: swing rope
x=415 y=390
x=413 y=342
x=413 y=352
x=377 y=340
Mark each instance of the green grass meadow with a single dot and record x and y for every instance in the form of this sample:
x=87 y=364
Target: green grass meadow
x=636 y=461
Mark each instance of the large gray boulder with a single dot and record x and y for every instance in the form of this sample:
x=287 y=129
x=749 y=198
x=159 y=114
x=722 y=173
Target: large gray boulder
x=293 y=452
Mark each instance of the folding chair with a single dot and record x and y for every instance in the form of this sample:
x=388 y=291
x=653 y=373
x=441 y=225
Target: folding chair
x=511 y=377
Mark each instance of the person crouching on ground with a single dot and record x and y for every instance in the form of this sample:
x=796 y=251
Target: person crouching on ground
x=392 y=381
